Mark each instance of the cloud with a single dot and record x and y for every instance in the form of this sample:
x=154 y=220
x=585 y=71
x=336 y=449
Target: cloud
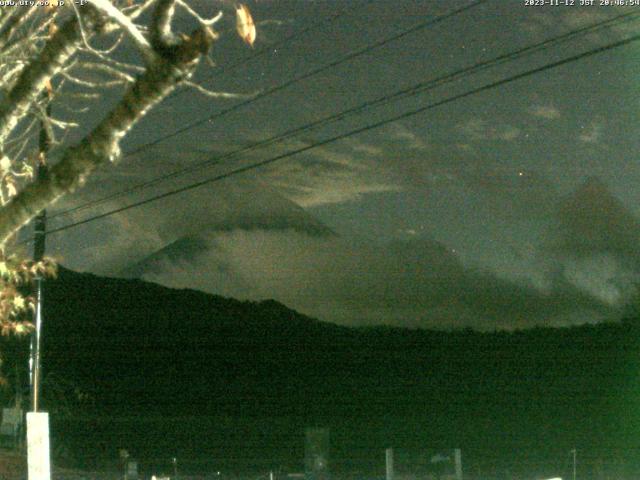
x=582 y=17
x=602 y=276
x=536 y=23
x=546 y=24
x=344 y=172
x=416 y=283
x=118 y=241
x=548 y=112
x=592 y=133
x=591 y=220
x=413 y=141
x=104 y=247
x=244 y=239
x=592 y=244
x=478 y=130
x=333 y=177
x=407 y=161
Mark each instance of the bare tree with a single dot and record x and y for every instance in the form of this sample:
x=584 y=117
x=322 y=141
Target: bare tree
x=68 y=53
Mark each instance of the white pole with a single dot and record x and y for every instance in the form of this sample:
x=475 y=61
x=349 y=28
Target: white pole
x=389 y=463
x=38 y=460
x=458 y=457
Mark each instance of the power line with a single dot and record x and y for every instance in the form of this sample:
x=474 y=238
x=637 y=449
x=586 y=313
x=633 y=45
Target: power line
x=357 y=131
x=541 y=46
x=400 y=94
x=292 y=81
x=224 y=68
x=305 y=76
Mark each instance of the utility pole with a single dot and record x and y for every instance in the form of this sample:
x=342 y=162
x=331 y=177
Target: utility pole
x=38 y=454
x=574 y=452
x=40 y=226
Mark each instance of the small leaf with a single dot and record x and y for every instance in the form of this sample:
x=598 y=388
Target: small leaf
x=18 y=302
x=21 y=328
x=48 y=87
x=27 y=171
x=5 y=163
x=10 y=185
x=245 y=25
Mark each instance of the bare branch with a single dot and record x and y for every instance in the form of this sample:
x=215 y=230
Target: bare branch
x=212 y=94
x=107 y=70
x=115 y=45
x=61 y=124
x=203 y=21
x=7 y=78
x=116 y=15
x=138 y=10
x=62 y=46
x=161 y=35
x=94 y=85
x=81 y=95
x=13 y=22
x=102 y=144
x=25 y=132
x=21 y=148
x=83 y=33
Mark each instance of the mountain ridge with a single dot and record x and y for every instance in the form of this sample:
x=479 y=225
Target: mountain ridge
x=254 y=374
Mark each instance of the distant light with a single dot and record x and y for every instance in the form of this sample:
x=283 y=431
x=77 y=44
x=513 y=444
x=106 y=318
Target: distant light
x=521 y=174
x=555 y=478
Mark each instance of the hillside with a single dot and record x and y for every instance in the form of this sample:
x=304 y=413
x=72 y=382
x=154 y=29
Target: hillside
x=182 y=371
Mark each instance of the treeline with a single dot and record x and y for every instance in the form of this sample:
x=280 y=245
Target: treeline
x=248 y=377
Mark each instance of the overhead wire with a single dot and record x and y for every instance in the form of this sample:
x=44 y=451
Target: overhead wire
x=294 y=80
x=305 y=76
x=268 y=49
x=399 y=94
x=359 y=130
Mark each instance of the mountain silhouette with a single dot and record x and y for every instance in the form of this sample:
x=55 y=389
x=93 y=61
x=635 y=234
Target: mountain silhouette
x=592 y=219
x=180 y=372
x=239 y=209
x=136 y=241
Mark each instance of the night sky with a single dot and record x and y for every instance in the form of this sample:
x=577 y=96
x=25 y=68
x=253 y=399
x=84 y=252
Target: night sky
x=511 y=208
